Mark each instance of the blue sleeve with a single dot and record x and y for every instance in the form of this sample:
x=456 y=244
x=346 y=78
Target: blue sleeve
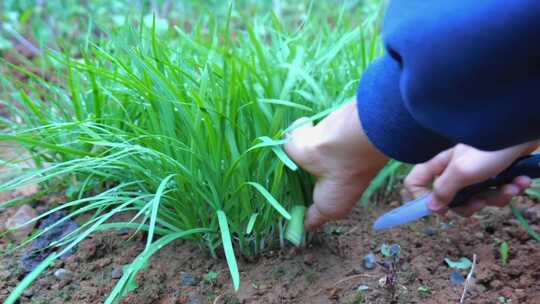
x=454 y=72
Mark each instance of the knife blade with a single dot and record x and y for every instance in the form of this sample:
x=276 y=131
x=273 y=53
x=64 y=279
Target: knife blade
x=418 y=208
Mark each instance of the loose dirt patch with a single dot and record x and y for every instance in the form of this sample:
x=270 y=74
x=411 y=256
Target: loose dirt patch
x=328 y=271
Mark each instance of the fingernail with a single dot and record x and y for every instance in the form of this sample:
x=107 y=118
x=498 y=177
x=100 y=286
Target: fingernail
x=513 y=190
x=434 y=204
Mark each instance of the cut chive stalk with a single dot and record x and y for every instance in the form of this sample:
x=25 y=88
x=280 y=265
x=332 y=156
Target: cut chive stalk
x=295 y=227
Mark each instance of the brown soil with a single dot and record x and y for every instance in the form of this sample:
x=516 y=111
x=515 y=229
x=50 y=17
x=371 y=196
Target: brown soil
x=329 y=271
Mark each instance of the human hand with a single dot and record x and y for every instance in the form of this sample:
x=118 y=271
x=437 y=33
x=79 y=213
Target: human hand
x=338 y=153
x=461 y=166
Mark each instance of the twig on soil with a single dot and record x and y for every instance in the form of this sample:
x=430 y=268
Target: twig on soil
x=356 y=276
x=216 y=300
x=23 y=41
x=468 y=281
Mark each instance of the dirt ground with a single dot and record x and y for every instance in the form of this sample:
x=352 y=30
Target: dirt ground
x=328 y=271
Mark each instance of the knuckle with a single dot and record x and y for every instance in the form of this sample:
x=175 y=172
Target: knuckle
x=408 y=182
x=463 y=170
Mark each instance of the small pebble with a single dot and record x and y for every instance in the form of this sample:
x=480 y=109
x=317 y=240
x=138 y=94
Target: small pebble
x=117 y=273
x=369 y=261
x=195 y=299
x=431 y=231
x=362 y=288
x=480 y=288
x=456 y=278
x=532 y=213
x=188 y=279
x=63 y=274
x=310 y=259
x=42 y=209
x=123 y=231
x=395 y=249
x=24 y=214
x=28 y=293
x=445 y=226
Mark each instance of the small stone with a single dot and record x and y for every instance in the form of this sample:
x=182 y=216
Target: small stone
x=383 y=282
x=310 y=259
x=24 y=214
x=117 y=273
x=496 y=284
x=63 y=274
x=479 y=235
x=532 y=213
x=431 y=231
x=507 y=292
x=369 y=261
x=42 y=209
x=104 y=262
x=123 y=231
x=182 y=299
x=28 y=293
x=456 y=278
x=188 y=279
x=195 y=299
x=445 y=226
x=362 y=288
x=480 y=288
x=41 y=248
x=27 y=191
x=395 y=249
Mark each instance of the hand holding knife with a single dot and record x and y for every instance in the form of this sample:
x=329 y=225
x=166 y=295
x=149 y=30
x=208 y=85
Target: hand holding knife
x=418 y=208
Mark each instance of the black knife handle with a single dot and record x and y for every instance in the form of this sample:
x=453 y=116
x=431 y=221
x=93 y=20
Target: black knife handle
x=527 y=165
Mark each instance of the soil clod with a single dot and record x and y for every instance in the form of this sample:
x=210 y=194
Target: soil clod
x=187 y=279
x=24 y=214
x=369 y=261
x=39 y=250
x=63 y=274
x=117 y=273
x=456 y=278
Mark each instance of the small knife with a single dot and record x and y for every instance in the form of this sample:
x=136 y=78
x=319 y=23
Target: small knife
x=417 y=208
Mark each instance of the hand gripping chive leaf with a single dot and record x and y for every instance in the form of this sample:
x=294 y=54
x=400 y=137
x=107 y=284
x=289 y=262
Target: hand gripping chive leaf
x=179 y=122
x=295 y=227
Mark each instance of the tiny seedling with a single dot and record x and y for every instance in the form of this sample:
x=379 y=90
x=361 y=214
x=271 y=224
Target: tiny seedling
x=210 y=277
x=391 y=268
x=504 y=251
x=469 y=281
x=462 y=263
x=423 y=290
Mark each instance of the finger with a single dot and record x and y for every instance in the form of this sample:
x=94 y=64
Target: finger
x=419 y=180
x=299 y=126
x=456 y=176
x=523 y=182
x=502 y=196
x=298 y=138
x=470 y=208
x=314 y=218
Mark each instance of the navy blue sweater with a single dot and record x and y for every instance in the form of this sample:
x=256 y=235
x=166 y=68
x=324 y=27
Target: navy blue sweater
x=454 y=72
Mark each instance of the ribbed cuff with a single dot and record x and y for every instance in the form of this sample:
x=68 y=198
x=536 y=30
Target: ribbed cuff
x=387 y=122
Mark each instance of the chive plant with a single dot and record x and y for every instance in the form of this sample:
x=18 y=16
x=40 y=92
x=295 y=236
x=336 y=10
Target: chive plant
x=184 y=131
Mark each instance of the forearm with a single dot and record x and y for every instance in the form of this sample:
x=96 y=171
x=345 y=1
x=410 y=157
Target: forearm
x=455 y=72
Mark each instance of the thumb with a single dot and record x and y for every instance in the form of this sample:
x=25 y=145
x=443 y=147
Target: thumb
x=314 y=218
x=419 y=180
x=298 y=138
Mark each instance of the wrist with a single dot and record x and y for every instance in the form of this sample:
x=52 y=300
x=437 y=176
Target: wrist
x=343 y=146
